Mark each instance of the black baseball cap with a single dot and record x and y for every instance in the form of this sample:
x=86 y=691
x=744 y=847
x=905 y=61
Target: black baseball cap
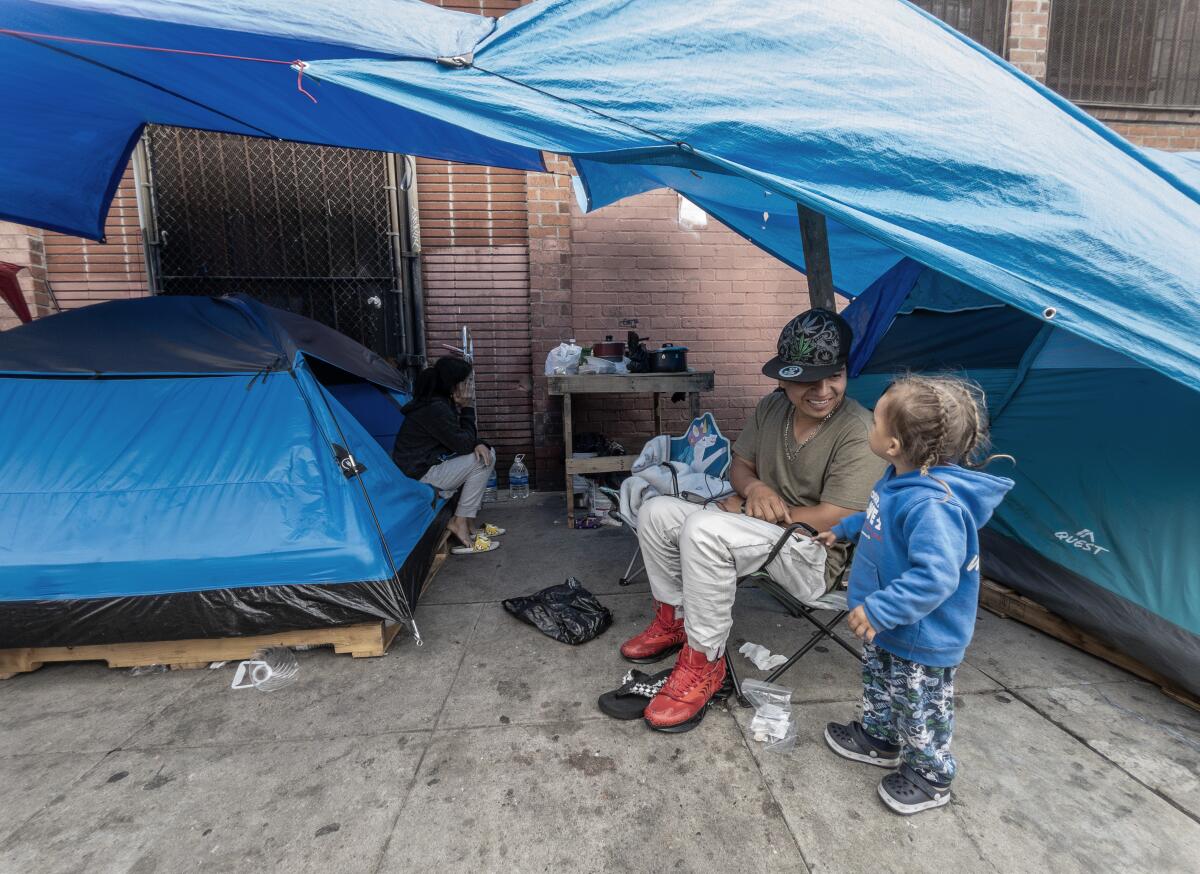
x=812 y=346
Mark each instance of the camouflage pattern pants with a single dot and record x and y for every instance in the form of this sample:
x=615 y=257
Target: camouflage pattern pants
x=910 y=705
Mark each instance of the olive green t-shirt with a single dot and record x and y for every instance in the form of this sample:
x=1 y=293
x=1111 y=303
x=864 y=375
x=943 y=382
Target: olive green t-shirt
x=836 y=467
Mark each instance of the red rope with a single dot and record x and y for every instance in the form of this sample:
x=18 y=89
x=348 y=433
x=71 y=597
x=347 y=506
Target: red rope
x=298 y=64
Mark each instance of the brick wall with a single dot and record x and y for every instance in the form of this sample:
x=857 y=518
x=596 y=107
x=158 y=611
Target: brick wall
x=486 y=288
x=1170 y=130
x=83 y=272
x=1029 y=36
x=550 y=306
x=706 y=289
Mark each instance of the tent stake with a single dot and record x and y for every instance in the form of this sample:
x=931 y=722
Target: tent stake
x=815 y=237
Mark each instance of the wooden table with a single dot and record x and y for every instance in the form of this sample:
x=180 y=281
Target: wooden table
x=691 y=382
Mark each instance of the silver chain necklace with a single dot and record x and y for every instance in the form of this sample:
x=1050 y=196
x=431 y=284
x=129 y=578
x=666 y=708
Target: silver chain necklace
x=793 y=454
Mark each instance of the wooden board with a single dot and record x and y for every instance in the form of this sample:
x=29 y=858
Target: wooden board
x=1005 y=602
x=439 y=558
x=605 y=464
x=365 y=640
x=632 y=383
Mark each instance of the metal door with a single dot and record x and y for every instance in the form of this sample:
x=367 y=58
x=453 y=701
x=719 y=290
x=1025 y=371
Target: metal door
x=316 y=230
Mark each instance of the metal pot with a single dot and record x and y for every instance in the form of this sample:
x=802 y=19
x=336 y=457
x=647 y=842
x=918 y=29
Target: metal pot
x=668 y=359
x=609 y=350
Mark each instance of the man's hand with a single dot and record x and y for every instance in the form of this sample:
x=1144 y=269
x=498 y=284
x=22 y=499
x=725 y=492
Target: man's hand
x=860 y=624
x=826 y=539
x=732 y=504
x=483 y=453
x=763 y=502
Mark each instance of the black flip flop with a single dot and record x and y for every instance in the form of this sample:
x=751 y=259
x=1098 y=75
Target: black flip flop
x=629 y=699
x=907 y=792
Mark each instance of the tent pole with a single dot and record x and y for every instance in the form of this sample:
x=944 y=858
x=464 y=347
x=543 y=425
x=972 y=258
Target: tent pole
x=815 y=238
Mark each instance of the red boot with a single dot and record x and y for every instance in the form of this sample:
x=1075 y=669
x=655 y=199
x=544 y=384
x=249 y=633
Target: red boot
x=663 y=637
x=679 y=706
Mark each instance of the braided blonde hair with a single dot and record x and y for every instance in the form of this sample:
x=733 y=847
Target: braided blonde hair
x=939 y=420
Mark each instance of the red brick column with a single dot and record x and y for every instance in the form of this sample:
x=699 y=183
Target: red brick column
x=1029 y=36
x=550 y=311
x=25 y=246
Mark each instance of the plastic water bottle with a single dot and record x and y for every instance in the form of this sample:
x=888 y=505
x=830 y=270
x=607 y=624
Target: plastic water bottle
x=489 y=491
x=518 y=479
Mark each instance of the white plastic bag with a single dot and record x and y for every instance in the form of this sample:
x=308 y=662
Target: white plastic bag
x=563 y=359
x=598 y=365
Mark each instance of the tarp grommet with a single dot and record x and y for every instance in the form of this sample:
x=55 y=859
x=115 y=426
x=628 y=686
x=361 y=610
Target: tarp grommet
x=1049 y=313
x=457 y=61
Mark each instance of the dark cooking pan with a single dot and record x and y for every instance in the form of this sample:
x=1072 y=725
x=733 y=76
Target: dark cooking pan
x=668 y=359
x=613 y=351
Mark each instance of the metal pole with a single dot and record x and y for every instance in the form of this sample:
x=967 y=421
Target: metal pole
x=815 y=237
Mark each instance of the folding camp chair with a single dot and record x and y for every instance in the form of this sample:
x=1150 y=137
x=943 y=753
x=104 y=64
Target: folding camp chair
x=834 y=600
x=682 y=449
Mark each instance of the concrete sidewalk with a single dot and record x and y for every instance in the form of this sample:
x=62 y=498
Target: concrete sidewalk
x=483 y=750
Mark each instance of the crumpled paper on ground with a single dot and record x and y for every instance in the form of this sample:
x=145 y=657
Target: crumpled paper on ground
x=761 y=656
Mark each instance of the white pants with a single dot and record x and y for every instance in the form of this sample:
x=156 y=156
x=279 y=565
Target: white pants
x=695 y=555
x=466 y=471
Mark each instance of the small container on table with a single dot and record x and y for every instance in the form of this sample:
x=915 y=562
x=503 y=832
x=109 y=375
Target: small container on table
x=690 y=382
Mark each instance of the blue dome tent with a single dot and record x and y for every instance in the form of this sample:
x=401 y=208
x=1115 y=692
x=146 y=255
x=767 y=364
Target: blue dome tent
x=928 y=156
x=189 y=467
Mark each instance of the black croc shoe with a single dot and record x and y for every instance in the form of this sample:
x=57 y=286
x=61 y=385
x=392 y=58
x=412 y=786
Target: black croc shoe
x=852 y=742
x=907 y=792
x=631 y=697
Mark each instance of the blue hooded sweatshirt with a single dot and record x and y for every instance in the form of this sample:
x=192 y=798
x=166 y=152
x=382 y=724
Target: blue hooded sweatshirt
x=916 y=565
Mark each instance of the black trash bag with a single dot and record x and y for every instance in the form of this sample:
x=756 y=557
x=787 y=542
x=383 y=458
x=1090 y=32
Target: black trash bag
x=567 y=612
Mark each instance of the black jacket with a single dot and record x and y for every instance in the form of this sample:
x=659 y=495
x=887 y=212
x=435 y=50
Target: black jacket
x=434 y=429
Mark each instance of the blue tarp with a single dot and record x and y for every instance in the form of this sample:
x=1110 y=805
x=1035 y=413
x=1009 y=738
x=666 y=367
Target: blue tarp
x=914 y=141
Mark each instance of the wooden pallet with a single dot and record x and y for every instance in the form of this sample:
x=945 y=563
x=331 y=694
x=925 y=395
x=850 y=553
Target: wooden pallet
x=1005 y=602
x=440 y=554
x=365 y=640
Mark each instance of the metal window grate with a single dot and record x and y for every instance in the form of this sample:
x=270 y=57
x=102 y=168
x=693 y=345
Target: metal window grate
x=1129 y=53
x=985 y=21
x=304 y=228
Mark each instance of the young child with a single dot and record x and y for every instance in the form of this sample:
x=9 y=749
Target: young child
x=914 y=584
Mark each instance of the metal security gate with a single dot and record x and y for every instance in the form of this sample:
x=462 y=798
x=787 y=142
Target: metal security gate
x=319 y=231
x=985 y=21
x=1126 y=53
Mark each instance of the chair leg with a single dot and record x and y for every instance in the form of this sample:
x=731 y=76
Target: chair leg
x=822 y=632
x=838 y=617
x=630 y=573
x=741 y=699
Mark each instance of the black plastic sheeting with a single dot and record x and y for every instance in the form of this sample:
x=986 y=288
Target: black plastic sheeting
x=1154 y=641
x=567 y=612
x=221 y=612
x=185 y=336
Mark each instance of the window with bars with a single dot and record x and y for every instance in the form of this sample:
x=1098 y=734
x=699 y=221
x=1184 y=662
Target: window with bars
x=985 y=21
x=1134 y=53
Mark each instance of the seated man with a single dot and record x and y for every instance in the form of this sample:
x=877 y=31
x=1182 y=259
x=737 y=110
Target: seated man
x=803 y=457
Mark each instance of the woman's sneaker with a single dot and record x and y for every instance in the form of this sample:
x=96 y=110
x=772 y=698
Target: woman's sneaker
x=852 y=742
x=907 y=792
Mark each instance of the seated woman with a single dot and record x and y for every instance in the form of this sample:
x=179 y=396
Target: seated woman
x=438 y=444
